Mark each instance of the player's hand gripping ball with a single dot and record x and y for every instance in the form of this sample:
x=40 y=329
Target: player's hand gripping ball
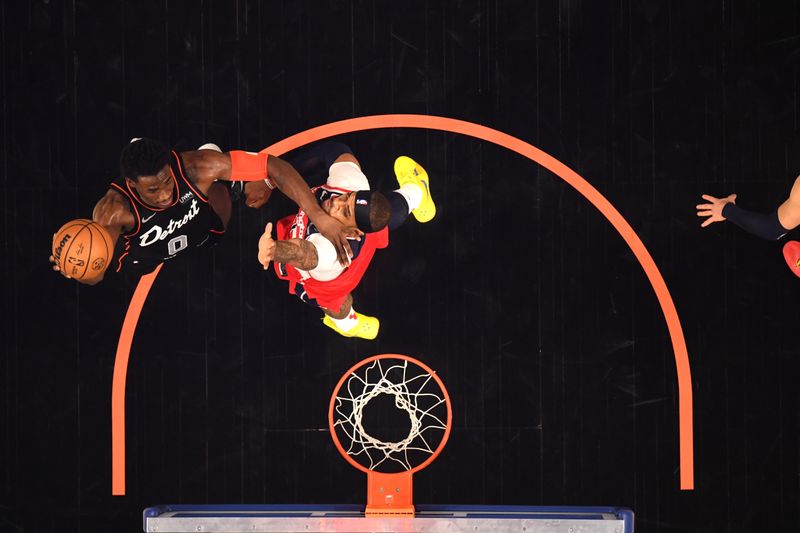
x=82 y=249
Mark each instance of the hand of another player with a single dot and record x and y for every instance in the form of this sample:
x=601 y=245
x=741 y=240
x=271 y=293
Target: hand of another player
x=338 y=233
x=266 y=247
x=713 y=210
x=256 y=193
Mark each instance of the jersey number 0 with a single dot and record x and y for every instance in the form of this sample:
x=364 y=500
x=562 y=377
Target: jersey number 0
x=177 y=244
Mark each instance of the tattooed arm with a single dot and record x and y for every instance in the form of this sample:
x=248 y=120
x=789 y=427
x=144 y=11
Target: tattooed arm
x=316 y=254
x=296 y=252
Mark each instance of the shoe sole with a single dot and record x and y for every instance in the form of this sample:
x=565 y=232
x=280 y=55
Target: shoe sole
x=329 y=322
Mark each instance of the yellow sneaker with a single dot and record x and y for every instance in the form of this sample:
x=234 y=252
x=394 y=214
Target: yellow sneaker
x=366 y=327
x=408 y=171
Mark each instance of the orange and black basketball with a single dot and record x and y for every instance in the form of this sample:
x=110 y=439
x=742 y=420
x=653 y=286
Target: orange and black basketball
x=82 y=249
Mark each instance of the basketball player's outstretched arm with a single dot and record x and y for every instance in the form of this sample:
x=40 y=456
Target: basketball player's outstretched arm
x=205 y=166
x=296 y=252
x=114 y=214
x=771 y=226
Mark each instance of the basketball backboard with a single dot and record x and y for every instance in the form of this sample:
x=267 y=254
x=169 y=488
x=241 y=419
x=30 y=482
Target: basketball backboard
x=351 y=518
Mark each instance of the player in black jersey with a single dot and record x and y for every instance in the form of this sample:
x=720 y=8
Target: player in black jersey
x=167 y=202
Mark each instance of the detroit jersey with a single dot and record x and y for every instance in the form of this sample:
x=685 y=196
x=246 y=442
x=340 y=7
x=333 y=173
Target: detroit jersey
x=161 y=234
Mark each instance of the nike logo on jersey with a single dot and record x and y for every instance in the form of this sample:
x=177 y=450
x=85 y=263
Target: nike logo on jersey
x=145 y=219
x=157 y=233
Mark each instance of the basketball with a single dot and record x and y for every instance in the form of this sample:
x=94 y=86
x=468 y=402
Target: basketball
x=82 y=249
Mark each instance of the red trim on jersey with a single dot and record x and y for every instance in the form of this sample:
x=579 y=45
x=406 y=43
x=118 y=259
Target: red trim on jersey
x=331 y=294
x=217 y=232
x=331 y=188
x=119 y=261
x=135 y=211
x=196 y=192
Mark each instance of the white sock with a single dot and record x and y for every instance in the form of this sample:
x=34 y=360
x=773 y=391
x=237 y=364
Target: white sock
x=413 y=195
x=347 y=323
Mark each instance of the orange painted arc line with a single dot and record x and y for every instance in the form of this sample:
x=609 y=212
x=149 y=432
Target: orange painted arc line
x=120 y=378
x=686 y=438
x=685 y=418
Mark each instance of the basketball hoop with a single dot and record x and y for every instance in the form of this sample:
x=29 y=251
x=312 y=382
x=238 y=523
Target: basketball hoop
x=390 y=459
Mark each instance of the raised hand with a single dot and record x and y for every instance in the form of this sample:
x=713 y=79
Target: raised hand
x=713 y=209
x=266 y=247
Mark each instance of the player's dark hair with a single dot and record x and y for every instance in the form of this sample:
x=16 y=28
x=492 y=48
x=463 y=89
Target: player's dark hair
x=381 y=211
x=372 y=211
x=142 y=157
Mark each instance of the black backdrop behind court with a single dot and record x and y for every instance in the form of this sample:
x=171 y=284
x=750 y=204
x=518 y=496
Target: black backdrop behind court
x=522 y=296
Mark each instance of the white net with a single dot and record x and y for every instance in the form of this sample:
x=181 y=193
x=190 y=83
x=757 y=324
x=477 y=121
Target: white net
x=414 y=391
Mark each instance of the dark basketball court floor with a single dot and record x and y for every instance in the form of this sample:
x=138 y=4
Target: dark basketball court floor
x=520 y=294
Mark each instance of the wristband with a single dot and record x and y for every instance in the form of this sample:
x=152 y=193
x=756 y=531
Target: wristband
x=248 y=166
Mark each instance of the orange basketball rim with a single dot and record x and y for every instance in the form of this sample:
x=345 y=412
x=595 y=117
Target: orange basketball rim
x=390 y=493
